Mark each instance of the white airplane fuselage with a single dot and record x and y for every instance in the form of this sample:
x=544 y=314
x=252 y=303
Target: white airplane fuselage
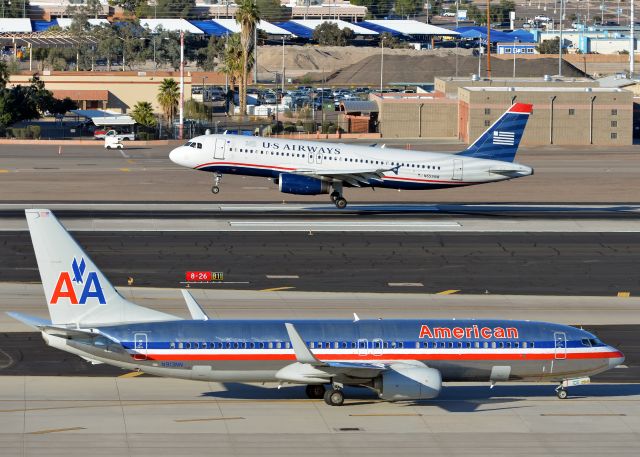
x=405 y=169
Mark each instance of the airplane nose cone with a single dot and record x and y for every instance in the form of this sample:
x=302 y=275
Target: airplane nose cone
x=615 y=361
x=176 y=156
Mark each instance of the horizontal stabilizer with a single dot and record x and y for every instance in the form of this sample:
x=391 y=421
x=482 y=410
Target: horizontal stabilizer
x=197 y=313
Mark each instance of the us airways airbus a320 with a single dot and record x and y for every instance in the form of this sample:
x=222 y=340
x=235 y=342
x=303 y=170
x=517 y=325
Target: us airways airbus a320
x=398 y=359
x=313 y=168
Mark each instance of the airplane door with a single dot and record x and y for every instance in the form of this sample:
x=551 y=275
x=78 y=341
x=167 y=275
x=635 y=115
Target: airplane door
x=140 y=341
x=363 y=347
x=560 y=344
x=457 y=169
x=218 y=152
x=311 y=157
x=319 y=157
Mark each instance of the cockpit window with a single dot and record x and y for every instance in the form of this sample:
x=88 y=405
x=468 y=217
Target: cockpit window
x=586 y=342
x=596 y=342
x=188 y=143
x=193 y=145
x=199 y=145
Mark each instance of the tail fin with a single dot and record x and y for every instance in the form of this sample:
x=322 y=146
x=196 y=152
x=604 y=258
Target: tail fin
x=77 y=292
x=501 y=140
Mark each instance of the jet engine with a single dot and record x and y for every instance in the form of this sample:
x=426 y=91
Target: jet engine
x=290 y=183
x=408 y=382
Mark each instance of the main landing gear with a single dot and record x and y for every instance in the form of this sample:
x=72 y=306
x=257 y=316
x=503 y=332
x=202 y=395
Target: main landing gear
x=216 y=181
x=315 y=391
x=561 y=392
x=334 y=397
x=336 y=196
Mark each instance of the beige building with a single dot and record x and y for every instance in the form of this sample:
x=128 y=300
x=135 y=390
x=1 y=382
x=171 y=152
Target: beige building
x=562 y=116
x=416 y=116
x=449 y=85
x=116 y=90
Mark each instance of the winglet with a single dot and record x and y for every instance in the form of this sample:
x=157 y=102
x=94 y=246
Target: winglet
x=356 y=318
x=303 y=353
x=196 y=311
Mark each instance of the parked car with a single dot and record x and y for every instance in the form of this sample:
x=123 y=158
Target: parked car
x=448 y=14
x=121 y=136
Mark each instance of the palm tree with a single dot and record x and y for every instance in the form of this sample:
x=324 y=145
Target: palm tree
x=247 y=16
x=168 y=96
x=232 y=60
x=142 y=113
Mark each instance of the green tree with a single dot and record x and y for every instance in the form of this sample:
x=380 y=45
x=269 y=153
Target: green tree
x=329 y=34
x=549 y=46
x=407 y=7
x=247 y=16
x=22 y=103
x=142 y=113
x=168 y=97
x=273 y=11
x=109 y=46
x=14 y=8
x=174 y=8
x=232 y=60
x=209 y=56
x=377 y=8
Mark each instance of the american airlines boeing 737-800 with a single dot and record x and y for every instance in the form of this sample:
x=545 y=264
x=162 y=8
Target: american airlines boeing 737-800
x=313 y=167
x=398 y=359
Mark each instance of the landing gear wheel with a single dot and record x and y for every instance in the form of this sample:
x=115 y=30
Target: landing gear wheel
x=334 y=397
x=334 y=196
x=215 y=190
x=562 y=394
x=315 y=391
x=341 y=203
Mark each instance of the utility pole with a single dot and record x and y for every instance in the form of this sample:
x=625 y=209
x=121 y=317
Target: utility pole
x=255 y=55
x=632 y=42
x=282 y=66
x=381 y=64
x=488 y=39
x=181 y=107
x=560 y=41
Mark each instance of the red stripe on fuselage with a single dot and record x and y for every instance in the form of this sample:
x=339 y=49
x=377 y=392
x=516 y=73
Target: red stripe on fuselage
x=240 y=164
x=337 y=357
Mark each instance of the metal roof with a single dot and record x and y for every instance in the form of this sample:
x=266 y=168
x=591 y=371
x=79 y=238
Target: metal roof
x=367 y=106
x=265 y=26
x=65 y=22
x=313 y=23
x=100 y=117
x=172 y=25
x=410 y=27
x=15 y=25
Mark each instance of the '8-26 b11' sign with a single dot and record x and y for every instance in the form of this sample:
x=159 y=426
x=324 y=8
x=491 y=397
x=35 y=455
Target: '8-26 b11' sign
x=203 y=276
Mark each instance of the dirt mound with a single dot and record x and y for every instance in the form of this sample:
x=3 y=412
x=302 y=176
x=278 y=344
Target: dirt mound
x=423 y=68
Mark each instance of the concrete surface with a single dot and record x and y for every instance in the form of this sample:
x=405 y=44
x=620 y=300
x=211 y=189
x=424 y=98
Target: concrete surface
x=32 y=173
x=42 y=416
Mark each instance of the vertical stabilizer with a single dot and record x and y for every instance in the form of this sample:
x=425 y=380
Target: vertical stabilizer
x=501 y=140
x=77 y=292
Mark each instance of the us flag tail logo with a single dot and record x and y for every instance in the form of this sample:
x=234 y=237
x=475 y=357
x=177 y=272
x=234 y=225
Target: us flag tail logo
x=503 y=138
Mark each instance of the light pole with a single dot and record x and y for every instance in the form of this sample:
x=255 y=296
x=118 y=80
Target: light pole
x=181 y=107
x=488 y=39
x=560 y=42
x=381 y=62
x=123 y=45
x=282 y=64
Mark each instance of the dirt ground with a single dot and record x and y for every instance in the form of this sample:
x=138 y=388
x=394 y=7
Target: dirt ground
x=361 y=65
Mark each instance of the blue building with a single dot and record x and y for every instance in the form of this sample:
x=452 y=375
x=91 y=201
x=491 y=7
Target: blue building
x=516 y=48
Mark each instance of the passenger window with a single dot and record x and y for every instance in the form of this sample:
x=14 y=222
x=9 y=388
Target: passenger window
x=287 y=345
x=476 y=345
x=172 y=345
x=485 y=345
x=278 y=345
x=336 y=345
x=187 y=345
x=270 y=345
x=312 y=345
x=524 y=345
x=493 y=345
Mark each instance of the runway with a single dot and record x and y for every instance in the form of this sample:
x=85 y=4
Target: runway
x=602 y=264
x=91 y=174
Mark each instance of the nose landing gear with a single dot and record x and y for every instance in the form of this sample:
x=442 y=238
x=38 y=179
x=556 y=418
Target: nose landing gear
x=216 y=181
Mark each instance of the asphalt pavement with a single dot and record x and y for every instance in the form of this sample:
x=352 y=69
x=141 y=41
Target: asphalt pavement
x=602 y=264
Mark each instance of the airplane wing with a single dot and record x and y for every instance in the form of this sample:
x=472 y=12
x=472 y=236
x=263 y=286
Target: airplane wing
x=356 y=178
x=329 y=369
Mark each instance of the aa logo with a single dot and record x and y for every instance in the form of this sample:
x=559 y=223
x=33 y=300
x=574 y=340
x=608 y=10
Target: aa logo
x=66 y=286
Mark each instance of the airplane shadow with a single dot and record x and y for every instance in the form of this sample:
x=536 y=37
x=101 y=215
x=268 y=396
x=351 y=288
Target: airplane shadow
x=452 y=398
x=486 y=209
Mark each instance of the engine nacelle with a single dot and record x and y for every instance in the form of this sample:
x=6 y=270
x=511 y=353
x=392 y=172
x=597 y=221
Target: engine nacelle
x=290 y=183
x=406 y=382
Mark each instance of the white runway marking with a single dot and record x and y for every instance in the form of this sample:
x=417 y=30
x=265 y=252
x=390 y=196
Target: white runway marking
x=124 y=154
x=283 y=277
x=405 y=284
